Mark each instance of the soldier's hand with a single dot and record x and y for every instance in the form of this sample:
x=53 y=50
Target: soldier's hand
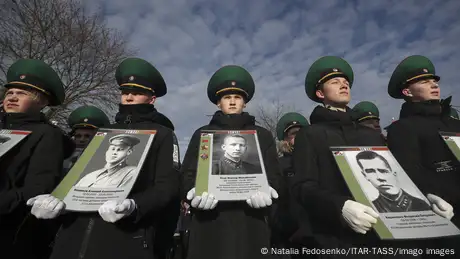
x=359 y=217
x=206 y=201
x=262 y=199
x=112 y=211
x=46 y=206
x=440 y=206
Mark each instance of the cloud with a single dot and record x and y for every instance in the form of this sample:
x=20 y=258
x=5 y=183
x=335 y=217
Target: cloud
x=277 y=41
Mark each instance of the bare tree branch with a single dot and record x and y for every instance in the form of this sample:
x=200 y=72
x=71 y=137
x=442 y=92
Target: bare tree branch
x=79 y=46
x=269 y=114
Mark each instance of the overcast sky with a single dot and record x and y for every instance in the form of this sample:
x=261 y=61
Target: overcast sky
x=278 y=40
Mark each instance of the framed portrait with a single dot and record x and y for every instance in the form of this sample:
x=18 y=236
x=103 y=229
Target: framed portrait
x=10 y=138
x=452 y=140
x=230 y=165
x=106 y=170
x=377 y=180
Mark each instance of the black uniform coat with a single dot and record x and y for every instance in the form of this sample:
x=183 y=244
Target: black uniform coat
x=167 y=220
x=318 y=184
x=404 y=203
x=31 y=168
x=88 y=236
x=232 y=230
x=291 y=227
x=415 y=142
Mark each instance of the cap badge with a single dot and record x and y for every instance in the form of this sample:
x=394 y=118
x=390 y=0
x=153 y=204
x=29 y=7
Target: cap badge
x=335 y=69
x=233 y=83
x=370 y=113
x=22 y=77
x=85 y=120
x=131 y=78
x=425 y=70
x=294 y=122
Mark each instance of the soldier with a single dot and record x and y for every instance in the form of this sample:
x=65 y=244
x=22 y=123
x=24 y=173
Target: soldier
x=231 y=163
x=337 y=220
x=291 y=229
x=286 y=130
x=84 y=122
x=124 y=229
x=367 y=114
x=392 y=197
x=236 y=230
x=414 y=139
x=116 y=172
x=33 y=166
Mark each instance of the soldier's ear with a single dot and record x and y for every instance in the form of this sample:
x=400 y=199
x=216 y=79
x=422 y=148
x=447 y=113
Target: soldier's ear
x=152 y=99
x=407 y=92
x=319 y=94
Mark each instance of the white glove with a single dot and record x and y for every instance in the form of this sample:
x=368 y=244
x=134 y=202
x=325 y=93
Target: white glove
x=358 y=216
x=206 y=201
x=112 y=211
x=46 y=206
x=440 y=206
x=261 y=199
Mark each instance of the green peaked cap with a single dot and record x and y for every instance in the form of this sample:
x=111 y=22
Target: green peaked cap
x=365 y=110
x=410 y=70
x=453 y=113
x=36 y=74
x=138 y=74
x=88 y=117
x=231 y=79
x=289 y=120
x=323 y=69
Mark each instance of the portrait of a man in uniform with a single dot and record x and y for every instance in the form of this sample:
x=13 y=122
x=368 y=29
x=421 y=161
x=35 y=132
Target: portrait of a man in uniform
x=4 y=139
x=234 y=148
x=116 y=173
x=392 y=197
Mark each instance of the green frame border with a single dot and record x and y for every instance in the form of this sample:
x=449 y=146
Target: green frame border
x=74 y=174
x=355 y=188
x=202 y=172
x=454 y=148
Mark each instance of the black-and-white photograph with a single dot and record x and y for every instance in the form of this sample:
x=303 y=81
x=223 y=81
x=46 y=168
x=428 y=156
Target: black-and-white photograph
x=115 y=163
x=385 y=183
x=235 y=154
x=9 y=139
